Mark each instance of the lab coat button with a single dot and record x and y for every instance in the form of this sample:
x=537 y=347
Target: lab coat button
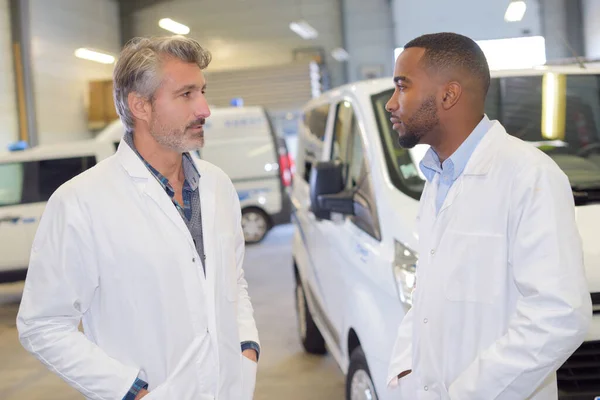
x=432 y=252
x=194 y=259
x=426 y=388
x=425 y=321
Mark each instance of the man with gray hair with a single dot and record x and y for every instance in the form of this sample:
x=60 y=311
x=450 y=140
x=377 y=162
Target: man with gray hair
x=146 y=251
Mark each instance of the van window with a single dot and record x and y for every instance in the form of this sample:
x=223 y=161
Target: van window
x=347 y=147
x=311 y=144
x=316 y=120
x=35 y=181
x=344 y=127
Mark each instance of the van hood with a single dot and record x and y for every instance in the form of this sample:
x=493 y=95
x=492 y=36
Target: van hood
x=587 y=221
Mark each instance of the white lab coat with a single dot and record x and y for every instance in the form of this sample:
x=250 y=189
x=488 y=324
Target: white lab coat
x=112 y=250
x=501 y=299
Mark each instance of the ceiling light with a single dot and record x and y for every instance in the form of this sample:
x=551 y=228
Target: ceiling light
x=96 y=56
x=515 y=11
x=340 y=54
x=173 y=26
x=304 y=30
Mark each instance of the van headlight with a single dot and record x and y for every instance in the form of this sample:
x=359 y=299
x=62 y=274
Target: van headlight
x=405 y=265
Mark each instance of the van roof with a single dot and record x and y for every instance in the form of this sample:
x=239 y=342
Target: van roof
x=374 y=86
x=51 y=151
x=114 y=131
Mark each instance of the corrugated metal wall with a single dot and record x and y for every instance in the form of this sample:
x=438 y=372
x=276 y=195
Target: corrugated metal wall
x=276 y=87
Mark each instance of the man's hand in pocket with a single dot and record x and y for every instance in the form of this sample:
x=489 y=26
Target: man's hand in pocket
x=141 y=393
x=250 y=354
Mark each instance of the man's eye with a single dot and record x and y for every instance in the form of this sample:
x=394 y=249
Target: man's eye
x=187 y=94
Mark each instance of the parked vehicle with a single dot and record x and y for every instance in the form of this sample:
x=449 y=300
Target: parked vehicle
x=355 y=198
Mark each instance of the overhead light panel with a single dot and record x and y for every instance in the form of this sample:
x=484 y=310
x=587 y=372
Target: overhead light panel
x=304 y=30
x=515 y=11
x=512 y=53
x=173 y=26
x=96 y=56
x=340 y=54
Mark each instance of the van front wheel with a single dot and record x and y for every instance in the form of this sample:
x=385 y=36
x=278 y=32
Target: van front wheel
x=311 y=337
x=255 y=225
x=359 y=384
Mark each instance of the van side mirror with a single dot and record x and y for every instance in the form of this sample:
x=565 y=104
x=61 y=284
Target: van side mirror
x=327 y=190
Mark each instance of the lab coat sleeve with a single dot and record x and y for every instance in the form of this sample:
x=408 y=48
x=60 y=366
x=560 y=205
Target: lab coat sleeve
x=245 y=315
x=60 y=285
x=401 y=359
x=554 y=312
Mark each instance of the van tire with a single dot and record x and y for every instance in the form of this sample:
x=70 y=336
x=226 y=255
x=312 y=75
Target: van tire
x=359 y=383
x=255 y=225
x=309 y=333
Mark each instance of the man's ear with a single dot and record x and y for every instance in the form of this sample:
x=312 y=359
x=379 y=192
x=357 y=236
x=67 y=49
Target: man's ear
x=451 y=95
x=140 y=106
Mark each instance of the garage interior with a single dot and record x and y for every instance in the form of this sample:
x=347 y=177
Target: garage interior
x=56 y=88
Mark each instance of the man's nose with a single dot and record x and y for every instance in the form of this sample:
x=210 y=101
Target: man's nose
x=391 y=105
x=202 y=109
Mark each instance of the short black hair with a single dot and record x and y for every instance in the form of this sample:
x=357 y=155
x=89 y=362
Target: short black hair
x=450 y=51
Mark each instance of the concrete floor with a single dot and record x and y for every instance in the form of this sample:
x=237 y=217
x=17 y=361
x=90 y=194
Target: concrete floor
x=285 y=371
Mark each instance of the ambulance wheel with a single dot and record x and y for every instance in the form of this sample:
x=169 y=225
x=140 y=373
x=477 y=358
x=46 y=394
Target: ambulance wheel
x=359 y=384
x=310 y=336
x=255 y=225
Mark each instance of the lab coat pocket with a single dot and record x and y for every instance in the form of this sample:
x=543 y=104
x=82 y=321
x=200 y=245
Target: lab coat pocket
x=476 y=266
x=249 y=369
x=182 y=383
x=229 y=266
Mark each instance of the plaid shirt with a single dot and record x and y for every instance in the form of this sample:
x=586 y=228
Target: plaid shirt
x=190 y=212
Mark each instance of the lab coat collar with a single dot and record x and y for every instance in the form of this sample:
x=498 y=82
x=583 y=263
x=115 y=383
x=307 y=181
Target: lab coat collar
x=483 y=157
x=146 y=183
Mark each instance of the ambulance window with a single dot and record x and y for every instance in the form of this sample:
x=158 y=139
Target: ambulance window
x=11 y=184
x=35 y=181
x=53 y=173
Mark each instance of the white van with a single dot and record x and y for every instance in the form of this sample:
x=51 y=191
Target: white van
x=27 y=179
x=241 y=141
x=354 y=267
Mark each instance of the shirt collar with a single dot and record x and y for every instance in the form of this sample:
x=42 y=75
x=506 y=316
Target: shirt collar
x=192 y=176
x=454 y=166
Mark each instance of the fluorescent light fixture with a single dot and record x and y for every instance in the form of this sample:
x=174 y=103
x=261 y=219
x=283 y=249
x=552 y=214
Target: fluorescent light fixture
x=96 y=56
x=553 y=106
x=340 y=54
x=397 y=52
x=173 y=26
x=514 y=53
x=515 y=11
x=304 y=30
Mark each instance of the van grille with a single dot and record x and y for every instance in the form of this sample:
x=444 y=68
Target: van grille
x=581 y=372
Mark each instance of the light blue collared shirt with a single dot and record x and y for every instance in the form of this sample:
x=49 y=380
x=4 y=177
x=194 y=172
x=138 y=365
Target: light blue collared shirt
x=454 y=166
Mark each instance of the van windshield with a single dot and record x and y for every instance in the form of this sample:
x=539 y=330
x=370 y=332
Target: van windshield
x=517 y=102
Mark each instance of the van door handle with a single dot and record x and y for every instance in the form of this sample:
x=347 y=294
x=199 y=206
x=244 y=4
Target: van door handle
x=11 y=219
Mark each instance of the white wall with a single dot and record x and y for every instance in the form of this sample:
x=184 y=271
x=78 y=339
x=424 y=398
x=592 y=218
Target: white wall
x=369 y=37
x=249 y=33
x=478 y=19
x=9 y=129
x=591 y=28
x=58 y=28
